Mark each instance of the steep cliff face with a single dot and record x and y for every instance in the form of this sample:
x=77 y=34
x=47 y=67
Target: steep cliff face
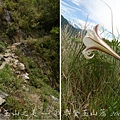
x=20 y=86
x=26 y=18
x=29 y=60
x=20 y=23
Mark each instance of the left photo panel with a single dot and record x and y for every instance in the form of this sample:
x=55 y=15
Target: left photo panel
x=29 y=59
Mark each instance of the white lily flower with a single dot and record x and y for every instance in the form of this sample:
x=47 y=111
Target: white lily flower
x=93 y=42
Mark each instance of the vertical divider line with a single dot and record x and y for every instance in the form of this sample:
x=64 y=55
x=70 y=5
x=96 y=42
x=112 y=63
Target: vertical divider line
x=60 y=59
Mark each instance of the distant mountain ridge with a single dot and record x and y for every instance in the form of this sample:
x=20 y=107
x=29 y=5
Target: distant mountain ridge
x=72 y=28
x=74 y=25
x=65 y=23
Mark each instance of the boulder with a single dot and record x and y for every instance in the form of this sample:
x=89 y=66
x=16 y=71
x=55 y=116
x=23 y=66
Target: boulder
x=2 y=58
x=2 y=117
x=3 y=94
x=2 y=101
x=17 y=44
x=54 y=98
x=25 y=76
x=7 y=55
x=21 y=66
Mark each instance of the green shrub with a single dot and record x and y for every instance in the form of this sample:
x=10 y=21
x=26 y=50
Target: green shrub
x=89 y=84
x=7 y=78
x=2 y=47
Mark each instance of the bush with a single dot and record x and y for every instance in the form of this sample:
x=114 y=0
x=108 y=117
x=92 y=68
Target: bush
x=7 y=78
x=89 y=85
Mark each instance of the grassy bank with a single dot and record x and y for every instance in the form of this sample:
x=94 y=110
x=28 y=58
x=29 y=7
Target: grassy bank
x=90 y=88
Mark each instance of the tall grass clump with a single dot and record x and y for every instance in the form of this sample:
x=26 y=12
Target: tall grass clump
x=90 y=88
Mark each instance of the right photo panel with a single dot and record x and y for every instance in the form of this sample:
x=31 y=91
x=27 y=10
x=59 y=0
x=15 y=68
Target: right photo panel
x=90 y=60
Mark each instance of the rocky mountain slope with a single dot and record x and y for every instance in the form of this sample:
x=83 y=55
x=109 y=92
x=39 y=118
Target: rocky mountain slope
x=72 y=28
x=24 y=101
x=29 y=59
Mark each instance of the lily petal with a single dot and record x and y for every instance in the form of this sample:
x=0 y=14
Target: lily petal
x=92 y=41
x=87 y=54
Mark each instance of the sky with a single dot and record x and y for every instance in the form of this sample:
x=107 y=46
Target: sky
x=97 y=12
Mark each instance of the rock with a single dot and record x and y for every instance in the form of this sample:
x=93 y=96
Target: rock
x=17 y=44
x=12 y=56
x=12 y=48
x=15 y=57
x=18 y=72
x=25 y=76
x=8 y=50
x=7 y=55
x=2 y=117
x=21 y=66
x=2 y=58
x=25 y=88
x=2 y=101
x=54 y=98
x=7 y=15
x=16 y=62
x=7 y=59
x=54 y=115
x=3 y=94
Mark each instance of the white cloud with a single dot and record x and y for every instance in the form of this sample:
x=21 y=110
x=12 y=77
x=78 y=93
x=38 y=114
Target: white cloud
x=98 y=12
x=77 y=2
x=66 y=8
x=82 y=23
x=69 y=8
x=101 y=13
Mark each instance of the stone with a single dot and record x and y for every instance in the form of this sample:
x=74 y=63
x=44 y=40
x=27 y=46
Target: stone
x=3 y=94
x=2 y=101
x=12 y=48
x=21 y=66
x=2 y=58
x=54 y=98
x=15 y=57
x=8 y=50
x=25 y=76
x=25 y=88
x=7 y=55
x=7 y=15
x=18 y=72
x=2 y=117
x=16 y=62
x=17 y=44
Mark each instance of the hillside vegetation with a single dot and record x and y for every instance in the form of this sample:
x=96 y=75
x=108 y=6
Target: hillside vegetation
x=90 y=88
x=29 y=36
